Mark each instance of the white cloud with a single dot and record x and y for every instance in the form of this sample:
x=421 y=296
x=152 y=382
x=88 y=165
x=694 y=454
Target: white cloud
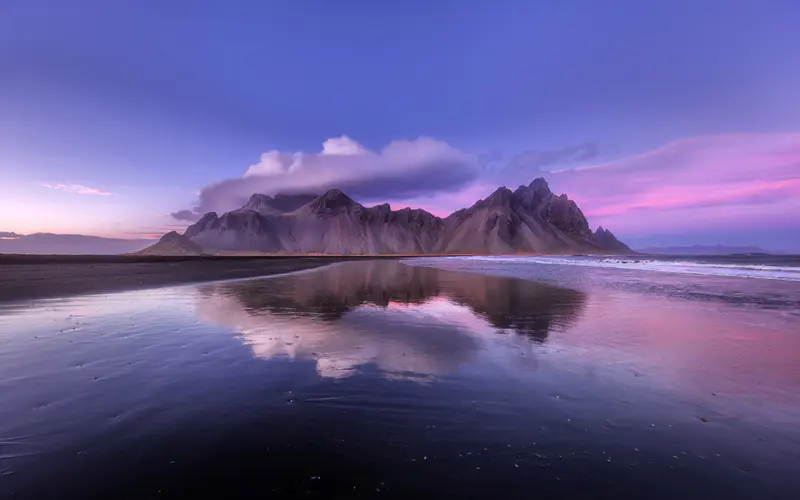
x=78 y=189
x=342 y=146
x=401 y=169
x=275 y=163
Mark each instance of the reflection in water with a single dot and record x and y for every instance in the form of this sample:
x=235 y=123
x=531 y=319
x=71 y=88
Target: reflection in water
x=386 y=380
x=406 y=320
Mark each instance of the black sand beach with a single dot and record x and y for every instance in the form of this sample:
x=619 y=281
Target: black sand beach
x=380 y=379
x=25 y=277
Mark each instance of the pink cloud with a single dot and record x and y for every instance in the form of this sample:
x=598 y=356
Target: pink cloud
x=676 y=197
x=714 y=180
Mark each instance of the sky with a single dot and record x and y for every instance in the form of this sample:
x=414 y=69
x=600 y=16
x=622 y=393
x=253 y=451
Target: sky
x=669 y=122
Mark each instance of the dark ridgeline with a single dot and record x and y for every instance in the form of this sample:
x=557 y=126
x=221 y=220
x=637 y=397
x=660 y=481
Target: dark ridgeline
x=530 y=219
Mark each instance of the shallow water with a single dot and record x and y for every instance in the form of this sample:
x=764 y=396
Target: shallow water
x=757 y=266
x=715 y=279
x=375 y=379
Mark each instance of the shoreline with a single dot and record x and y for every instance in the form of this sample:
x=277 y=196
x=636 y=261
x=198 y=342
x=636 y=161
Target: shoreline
x=32 y=277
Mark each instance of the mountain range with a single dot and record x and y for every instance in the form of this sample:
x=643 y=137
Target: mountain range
x=74 y=244
x=530 y=219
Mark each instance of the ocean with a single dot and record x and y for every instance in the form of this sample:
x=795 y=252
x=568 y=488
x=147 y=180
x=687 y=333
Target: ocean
x=761 y=266
x=763 y=281
x=494 y=377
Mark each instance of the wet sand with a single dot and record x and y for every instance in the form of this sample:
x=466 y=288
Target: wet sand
x=388 y=380
x=26 y=277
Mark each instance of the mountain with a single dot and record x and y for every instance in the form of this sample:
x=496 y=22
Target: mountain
x=173 y=243
x=332 y=223
x=267 y=205
x=704 y=250
x=75 y=244
x=530 y=219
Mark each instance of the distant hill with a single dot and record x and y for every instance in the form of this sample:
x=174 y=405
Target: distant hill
x=67 y=244
x=703 y=250
x=530 y=219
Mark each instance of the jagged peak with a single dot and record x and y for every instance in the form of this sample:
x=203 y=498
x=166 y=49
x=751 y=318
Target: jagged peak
x=500 y=195
x=241 y=212
x=533 y=204
x=206 y=220
x=259 y=196
x=171 y=236
x=258 y=201
x=610 y=242
x=384 y=210
x=333 y=199
x=335 y=194
x=173 y=243
x=540 y=185
x=280 y=203
x=421 y=211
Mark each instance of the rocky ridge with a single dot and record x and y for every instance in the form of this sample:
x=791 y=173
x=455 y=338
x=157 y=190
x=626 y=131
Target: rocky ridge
x=530 y=219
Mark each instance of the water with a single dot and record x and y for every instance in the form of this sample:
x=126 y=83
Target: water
x=758 y=281
x=772 y=267
x=382 y=379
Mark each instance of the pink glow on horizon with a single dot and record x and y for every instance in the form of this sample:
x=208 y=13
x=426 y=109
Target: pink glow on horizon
x=718 y=181
x=721 y=180
x=146 y=232
x=696 y=196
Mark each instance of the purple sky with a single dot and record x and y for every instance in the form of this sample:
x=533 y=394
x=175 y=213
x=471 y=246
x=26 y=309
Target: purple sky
x=670 y=122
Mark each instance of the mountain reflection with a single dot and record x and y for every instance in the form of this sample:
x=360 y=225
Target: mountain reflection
x=406 y=320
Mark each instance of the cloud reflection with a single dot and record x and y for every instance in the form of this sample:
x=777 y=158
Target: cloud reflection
x=408 y=321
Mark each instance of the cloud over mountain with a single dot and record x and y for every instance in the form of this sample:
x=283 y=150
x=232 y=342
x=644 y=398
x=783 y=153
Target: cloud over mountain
x=712 y=182
x=401 y=169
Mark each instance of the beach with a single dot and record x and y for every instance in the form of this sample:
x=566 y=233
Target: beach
x=446 y=378
x=26 y=277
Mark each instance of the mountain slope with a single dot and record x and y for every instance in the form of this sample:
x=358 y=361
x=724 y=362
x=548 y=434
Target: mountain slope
x=331 y=223
x=267 y=205
x=173 y=243
x=530 y=219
